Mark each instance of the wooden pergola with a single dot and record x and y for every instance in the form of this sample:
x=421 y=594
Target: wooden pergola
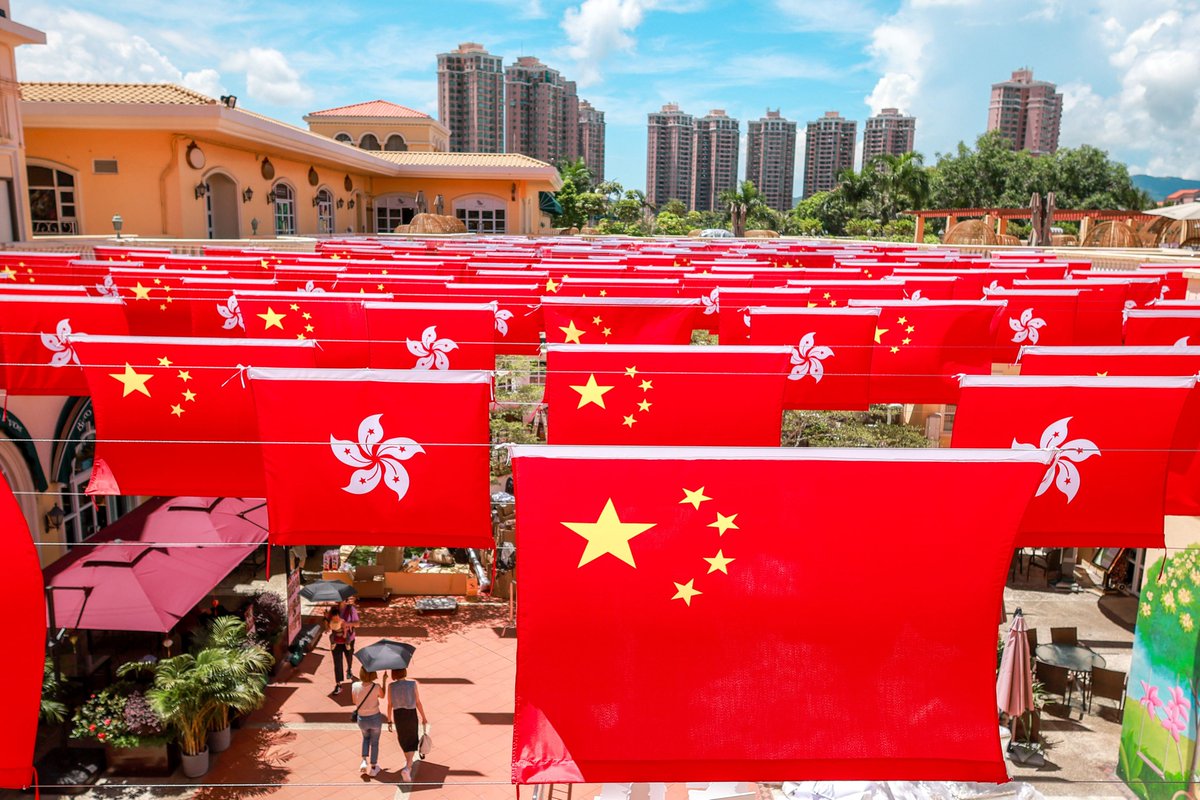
x=1001 y=217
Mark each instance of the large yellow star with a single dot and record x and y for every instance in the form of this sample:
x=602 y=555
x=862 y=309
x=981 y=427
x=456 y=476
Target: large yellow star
x=132 y=381
x=719 y=562
x=571 y=332
x=879 y=332
x=608 y=535
x=695 y=497
x=141 y=292
x=271 y=319
x=551 y=286
x=592 y=392
x=9 y=272
x=724 y=523
x=686 y=591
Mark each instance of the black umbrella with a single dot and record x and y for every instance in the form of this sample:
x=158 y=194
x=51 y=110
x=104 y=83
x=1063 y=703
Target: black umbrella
x=328 y=591
x=385 y=654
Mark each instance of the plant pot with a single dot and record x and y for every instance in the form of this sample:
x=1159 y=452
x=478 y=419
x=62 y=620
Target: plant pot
x=194 y=766
x=218 y=741
x=143 y=760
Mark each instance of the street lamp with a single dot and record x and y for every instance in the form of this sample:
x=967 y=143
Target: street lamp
x=117 y=222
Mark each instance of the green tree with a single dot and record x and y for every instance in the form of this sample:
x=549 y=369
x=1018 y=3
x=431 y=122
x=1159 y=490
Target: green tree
x=740 y=201
x=577 y=183
x=848 y=429
x=674 y=206
x=829 y=208
x=669 y=224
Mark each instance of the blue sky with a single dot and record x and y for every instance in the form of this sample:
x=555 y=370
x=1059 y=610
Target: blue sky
x=1128 y=68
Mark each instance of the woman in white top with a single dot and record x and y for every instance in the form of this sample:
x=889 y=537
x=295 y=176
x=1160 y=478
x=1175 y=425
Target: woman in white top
x=367 y=695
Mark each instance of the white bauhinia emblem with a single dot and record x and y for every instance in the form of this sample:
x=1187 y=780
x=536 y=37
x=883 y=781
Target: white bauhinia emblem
x=59 y=343
x=503 y=315
x=712 y=303
x=1183 y=341
x=807 y=359
x=916 y=295
x=108 y=288
x=375 y=460
x=1026 y=327
x=312 y=288
x=1062 y=471
x=431 y=351
x=231 y=313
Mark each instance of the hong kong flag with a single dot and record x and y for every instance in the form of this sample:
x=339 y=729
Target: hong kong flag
x=23 y=664
x=725 y=653
x=920 y=346
x=336 y=321
x=1105 y=482
x=732 y=306
x=653 y=394
x=36 y=353
x=175 y=415
x=1179 y=326
x=1034 y=317
x=431 y=335
x=396 y=457
x=518 y=313
x=1183 y=463
x=834 y=348
x=619 y=320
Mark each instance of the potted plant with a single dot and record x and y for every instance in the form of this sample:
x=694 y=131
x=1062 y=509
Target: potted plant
x=238 y=680
x=182 y=696
x=270 y=624
x=121 y=720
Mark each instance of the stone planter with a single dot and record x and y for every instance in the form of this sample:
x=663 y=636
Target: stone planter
x=194 y=766
x=218 y=741
x=148 y=760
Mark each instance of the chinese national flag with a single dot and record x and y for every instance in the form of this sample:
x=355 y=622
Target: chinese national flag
x=619 y=320
x=833 y=352
x=36 y=353
x=336 y=321
x=26 y=643
x=665 y=395
x=1151 y=326
x=709 y=639
x=922 y=345
x=153 y=304
x=174 y=416
x=1183 y=464
x=1034 y=317
x=837 y=294
x=396 y=457
x=432 y=335
x=1105 y=484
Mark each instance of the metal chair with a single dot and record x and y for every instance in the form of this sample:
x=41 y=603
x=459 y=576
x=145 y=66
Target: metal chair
x=1056 y=680
x=1031 y=636
x=1107 y=683
x=1064 y=635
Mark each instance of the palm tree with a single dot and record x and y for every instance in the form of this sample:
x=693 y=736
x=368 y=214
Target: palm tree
x=740 y=201
x=576 y=172
x=903 y=183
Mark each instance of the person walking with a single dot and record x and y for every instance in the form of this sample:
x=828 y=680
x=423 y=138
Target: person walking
x=408 y=716
x=367 y=696
x=337 y=645
x=350 y=616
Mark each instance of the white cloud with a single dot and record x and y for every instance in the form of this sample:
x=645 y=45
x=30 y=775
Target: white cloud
x=269 y=77
x=899 y=51
x=597 y=29
x=845 y=16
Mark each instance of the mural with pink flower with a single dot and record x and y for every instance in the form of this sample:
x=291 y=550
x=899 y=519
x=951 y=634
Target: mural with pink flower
x=1158 y=751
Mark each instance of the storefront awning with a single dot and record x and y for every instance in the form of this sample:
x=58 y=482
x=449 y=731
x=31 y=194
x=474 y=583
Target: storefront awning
x=549 y=203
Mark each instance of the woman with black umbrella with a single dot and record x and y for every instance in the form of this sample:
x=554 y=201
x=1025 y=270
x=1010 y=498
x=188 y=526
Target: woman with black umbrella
x=404 y=709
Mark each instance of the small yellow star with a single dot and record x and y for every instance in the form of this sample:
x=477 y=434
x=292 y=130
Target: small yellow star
x=608 y=535
x=695 y=497
x=879 y=332
x=158 y=281
x=164 y=362
x=644 y=405
x=177 y=410
x=906 y=340
x=308 y=328
x=551 y=286
x=719 y=562
x=572 y=333
x=294 y=307
x=647 y=385
x=686 y=591
x=271 y=319
x=131 y=381
x=162 y=306
x=910 y=329
x=141 y=292
x=833 y=302
x=811 y=304
x=185 y=375
x=604 y=292
x=306 y=315
x=592 y=392
x=902 y=321
x=826 y=296
x=724 y=523
x=631 y=371
x=1102 y=374
x=629 y=420
x=301 y=337
x=189 y=395
x=383 y=272
x=895 y=350
x=379 y=286
x=607 y=331
x=167 y=289
x=595 y=320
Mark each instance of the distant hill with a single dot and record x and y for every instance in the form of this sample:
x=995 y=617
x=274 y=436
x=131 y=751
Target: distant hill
x=1159 y=188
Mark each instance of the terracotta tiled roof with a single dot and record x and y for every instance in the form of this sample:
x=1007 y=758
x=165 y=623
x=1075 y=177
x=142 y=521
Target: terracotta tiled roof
x=142 y=93
x=1179 y=194
x=373 y=108
x=419 y=159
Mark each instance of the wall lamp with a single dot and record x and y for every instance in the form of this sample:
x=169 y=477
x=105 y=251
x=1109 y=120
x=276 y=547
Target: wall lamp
x=247 y=194
x=54 y=518
x=201 y=190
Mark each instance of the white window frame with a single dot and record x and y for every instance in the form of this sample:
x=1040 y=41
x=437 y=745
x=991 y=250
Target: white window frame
x=284 y=211
x=482 y=213
x=64 y=224
x=325 y=216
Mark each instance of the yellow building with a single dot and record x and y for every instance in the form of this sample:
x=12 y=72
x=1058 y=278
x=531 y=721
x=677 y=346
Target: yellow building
x=380 y=125
x=175 y=163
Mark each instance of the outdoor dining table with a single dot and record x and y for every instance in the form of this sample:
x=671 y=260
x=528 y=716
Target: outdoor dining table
x=1075 y=657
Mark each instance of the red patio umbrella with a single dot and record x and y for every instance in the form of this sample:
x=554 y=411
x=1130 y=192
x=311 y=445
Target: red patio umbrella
x=1014 y=684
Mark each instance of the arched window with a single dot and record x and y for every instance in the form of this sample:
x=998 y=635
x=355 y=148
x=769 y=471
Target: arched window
x=285 y=209
x=343 y=137
x=324 y=211
x=392 y=210
x=53 y=200
x=83 y=515
x=395 y=142
x=482 y=213
x=368 y=142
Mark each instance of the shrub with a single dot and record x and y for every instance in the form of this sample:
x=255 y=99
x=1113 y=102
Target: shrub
x=270 y=616
x=140 y=718
x=119 y=716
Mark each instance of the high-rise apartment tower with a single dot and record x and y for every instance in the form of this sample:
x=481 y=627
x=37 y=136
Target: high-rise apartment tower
x=828 y=150
x=715 y=154
x=771 y=159
x=541 y=112
x=471 y=99
x=1026 y=112
x=670 y=136
x=591 y=139
x=888 y=133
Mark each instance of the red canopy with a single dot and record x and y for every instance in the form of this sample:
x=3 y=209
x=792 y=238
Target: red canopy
x=145 y=572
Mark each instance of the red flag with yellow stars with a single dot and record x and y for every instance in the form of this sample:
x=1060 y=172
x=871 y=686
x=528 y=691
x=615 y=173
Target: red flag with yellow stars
x=664 y=395
x=36 y=353
x=336 y=321
x=1105 y=484
x=732 y=306
x=153 y=306
x=1183 y=462
x=431 y=335
x=710 y=640
x=837 y=294
x=614 y=287
x=922 y=345
x=833 y=351
x=175 y=415
x=619 y=320
x=396 y=457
